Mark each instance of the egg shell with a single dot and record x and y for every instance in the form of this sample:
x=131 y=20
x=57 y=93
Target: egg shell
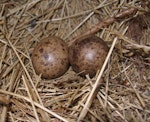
x=87 y=55
x=50 y=57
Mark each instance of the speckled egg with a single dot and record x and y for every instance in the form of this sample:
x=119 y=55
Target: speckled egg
x=87 y=55
x=50 y=57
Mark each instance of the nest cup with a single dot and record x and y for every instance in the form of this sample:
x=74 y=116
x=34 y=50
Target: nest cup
x=124 y=93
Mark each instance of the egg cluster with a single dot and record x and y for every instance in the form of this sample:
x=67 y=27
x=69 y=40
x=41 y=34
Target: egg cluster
x=51 y=57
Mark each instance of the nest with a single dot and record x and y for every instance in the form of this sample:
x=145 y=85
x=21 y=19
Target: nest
x=119 y=92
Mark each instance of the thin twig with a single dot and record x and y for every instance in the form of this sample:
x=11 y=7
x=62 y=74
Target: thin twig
x=105 y=23
x=35 y=103
x=145 y=48
x=136 y=92
x=87 y=104
x=11 y=88
x=30 y=97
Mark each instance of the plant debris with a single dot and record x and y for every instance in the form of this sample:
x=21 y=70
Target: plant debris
x=119 y=92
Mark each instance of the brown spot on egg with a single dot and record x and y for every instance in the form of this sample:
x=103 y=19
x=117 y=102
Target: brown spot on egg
x=41 y=50
x=87 y=55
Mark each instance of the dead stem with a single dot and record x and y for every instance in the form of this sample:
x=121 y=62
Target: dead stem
x=106 y=22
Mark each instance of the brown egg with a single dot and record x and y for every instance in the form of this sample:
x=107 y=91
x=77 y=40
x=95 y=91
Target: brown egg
x=50 y=57
x=87 y=55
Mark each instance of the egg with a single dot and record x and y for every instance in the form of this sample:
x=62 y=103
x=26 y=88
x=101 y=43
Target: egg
x=87 y=55
x=50 y=57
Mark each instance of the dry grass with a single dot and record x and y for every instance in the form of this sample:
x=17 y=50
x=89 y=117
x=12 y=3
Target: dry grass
x=124 y=92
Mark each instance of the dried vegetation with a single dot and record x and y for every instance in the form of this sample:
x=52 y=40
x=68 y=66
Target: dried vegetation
x=122 y=94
